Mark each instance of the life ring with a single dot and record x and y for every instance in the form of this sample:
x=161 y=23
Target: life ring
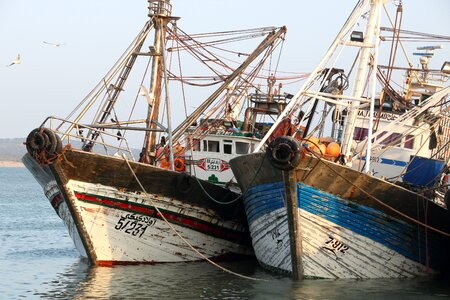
x=184 y=183
x=284 y=153
x=179 y=165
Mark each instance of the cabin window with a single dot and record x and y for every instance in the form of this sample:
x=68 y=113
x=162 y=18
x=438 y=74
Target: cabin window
x=211 y=146
x=242 y=148
x=409 y=142
x=227 y=146
x=195 y=145
x=360 y=133
x=394 y=139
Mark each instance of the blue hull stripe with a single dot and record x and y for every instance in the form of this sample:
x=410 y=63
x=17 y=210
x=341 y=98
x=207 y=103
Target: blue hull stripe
x=376 y=225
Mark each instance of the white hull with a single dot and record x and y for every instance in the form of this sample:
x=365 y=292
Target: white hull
x=111 y=225
x=357 y=256
x=120 y=236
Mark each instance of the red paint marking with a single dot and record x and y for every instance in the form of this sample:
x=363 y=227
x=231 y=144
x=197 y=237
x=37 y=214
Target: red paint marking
x=91 y=210
x=55 y=200
x=177 y=219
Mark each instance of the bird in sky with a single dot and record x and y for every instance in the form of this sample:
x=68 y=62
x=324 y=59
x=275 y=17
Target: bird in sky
x=56 y=45
x=16 y=61
x=149 y=96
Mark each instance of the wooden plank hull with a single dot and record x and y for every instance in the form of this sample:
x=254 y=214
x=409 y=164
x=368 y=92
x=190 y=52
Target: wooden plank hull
x=345 y=234
x=112 y=221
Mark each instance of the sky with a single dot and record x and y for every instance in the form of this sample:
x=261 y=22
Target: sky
x=52 y=81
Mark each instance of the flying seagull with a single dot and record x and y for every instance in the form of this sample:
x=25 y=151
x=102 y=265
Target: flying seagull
x=56 y=45
x=16 y=61
x=149 y=96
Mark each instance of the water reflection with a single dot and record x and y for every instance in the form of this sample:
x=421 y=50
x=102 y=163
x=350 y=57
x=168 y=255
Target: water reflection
x=408 y=288
x=201 y=280
x=166 y=281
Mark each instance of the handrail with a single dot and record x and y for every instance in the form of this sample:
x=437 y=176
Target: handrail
x=77 y=126
x=159 y=8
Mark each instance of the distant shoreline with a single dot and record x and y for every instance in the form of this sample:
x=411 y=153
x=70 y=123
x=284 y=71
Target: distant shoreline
x=11 y=164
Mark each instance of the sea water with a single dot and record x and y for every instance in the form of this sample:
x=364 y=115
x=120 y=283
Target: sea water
x=39 y=261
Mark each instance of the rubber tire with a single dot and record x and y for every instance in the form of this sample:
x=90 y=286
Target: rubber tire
x=35 y=141
x=184 y=183
x=284 y=153
x=52 y=143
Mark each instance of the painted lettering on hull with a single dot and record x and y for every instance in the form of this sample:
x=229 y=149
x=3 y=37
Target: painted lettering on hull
x=213 y=164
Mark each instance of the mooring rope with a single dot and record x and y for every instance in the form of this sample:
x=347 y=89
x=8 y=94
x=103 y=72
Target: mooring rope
x=178 y=234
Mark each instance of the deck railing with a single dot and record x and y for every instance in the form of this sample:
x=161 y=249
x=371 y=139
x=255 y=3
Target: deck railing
x=159 y=8
x=55 y=124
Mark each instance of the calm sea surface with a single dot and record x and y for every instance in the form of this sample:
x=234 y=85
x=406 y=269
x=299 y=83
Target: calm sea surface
x=38 y=260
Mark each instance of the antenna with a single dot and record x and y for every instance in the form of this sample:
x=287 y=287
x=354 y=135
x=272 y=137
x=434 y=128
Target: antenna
x=429 y=50
x=425 y=56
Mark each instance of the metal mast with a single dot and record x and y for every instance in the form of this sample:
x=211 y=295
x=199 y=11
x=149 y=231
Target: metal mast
x=160 y=12
x=364 y=59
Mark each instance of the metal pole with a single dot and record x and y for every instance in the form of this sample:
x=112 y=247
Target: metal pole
x=166 y=89
x=360 y=77
x=373 y=87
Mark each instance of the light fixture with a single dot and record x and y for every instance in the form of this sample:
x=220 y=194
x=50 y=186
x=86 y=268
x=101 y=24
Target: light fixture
x=357 y=36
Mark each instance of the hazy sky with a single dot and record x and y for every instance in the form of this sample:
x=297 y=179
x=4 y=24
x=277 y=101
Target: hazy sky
x=51 y=81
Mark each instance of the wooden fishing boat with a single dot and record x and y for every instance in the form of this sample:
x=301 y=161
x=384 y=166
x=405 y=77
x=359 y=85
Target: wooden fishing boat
x=158 y=208
x=316 y=207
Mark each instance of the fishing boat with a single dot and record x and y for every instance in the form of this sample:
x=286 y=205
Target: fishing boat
x=157 y=207
x=354 y=193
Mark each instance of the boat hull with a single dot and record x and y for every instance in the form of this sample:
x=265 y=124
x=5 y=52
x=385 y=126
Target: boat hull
x=343 y=232
x=113 y=221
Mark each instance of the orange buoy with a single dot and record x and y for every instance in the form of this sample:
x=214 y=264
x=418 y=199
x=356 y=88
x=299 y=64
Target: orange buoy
x=333 y=149
x=164 y=163
x=322 y=149
x=312 y=141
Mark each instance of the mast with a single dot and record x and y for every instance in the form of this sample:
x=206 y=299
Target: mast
x=296 y=100
x=160 y=12
x=364 y=59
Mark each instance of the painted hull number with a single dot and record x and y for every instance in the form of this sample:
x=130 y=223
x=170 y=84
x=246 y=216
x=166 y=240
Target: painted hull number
x=335 y=246
x=212 y=164
x=275 y=234
x=134 y=224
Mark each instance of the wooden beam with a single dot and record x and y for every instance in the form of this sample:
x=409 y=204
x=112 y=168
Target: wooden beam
x=295 y=235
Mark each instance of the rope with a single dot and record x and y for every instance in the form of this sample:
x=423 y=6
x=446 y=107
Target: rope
x=178 y=234
x=238 y=197
x=379 y=201
x=210 y=197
